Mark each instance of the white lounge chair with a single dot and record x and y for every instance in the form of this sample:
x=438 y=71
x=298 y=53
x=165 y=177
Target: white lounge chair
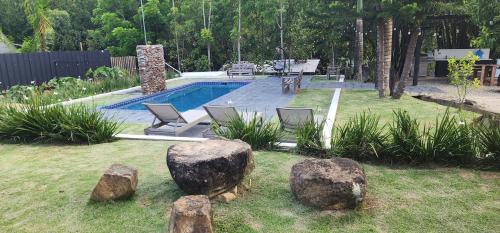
x=170 y=117
x=294 y=117
x=222 y=115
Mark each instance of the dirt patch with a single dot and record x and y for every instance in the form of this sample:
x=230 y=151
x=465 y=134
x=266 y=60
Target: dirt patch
x=489 y=175
x=466 y=175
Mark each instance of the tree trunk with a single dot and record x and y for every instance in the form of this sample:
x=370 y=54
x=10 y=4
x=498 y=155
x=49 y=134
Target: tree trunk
x=416 y=66
x=380 y=59
x=408 y=64
x=358 y=58
x=387 y=54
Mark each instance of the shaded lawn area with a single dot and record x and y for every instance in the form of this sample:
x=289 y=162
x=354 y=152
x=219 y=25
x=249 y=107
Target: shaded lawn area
x=47 y=189
x=354 y=102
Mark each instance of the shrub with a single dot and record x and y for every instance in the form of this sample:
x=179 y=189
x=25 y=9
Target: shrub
x=259 y=134
x=451 y=141
x=460 y=74
x=405 y=138
x=360 y=138
x=489 y=142
x=310 y=140
x=104 y=72
x=37 y=122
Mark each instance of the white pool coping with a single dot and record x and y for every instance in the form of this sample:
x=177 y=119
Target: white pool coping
x=330 y=117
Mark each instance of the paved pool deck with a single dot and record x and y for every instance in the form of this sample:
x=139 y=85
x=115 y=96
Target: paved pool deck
x=261 y=95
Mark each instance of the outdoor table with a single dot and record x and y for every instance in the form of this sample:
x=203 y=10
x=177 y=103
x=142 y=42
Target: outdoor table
x=483 y=68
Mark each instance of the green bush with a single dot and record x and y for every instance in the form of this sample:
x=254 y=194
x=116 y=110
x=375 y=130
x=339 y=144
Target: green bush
x=103 y=79
x=360 y=138
x=451 y=141
x=489 y=142
x=261 y=135
x=310 y=140
x=37 y=122
x=405 y=138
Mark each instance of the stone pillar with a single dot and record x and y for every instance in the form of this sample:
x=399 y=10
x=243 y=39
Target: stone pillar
x=151 y=68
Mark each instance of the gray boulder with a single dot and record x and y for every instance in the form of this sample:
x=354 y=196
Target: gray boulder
x=329 y=184
x=210 y=167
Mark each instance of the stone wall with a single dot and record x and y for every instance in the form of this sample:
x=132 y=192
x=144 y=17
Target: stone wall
x=151 y=68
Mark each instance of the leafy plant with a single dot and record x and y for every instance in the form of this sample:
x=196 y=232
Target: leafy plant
x=261 y=135
x=104 y=72
x=489 y=141
x=406 y=143
x=38 y=122
x=460 y=75
x=450 y=141
x=360 y=138
x=310 y=139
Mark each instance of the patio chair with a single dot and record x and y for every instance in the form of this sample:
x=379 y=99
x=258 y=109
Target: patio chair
x=222 y=115
x=170 y=117
x=292 y=118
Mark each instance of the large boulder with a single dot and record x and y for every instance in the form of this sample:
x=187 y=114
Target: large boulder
x=118 y=182
x=329 y=184
x=210 y=167
x=191 y=214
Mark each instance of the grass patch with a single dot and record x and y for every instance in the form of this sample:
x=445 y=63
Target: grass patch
x=317 y=99
x=47 y=188
x=355 y=101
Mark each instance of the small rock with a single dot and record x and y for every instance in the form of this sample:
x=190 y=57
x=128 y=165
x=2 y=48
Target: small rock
x=210 y=167
x=330 y=184
x=226 y=197
x=118 y=182
x=191 y=214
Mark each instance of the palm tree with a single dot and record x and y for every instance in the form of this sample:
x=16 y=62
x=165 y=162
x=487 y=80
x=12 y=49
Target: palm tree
x=206 y=28
x=37 y=14
x=358 y=57
x=384 y=53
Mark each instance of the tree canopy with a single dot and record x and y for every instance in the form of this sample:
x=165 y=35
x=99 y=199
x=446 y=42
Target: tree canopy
x=311 y=28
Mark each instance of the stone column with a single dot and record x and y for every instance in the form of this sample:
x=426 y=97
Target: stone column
x=151 y=68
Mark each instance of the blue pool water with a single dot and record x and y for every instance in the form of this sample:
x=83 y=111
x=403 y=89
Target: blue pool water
x=183 y=98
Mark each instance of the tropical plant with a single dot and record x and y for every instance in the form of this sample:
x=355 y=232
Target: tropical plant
x=37 y=13
x=488 y=139
x=261 y=135
x=460 y=75
x=310 y=139
x=359 y=138
x=36 y=121
x=406 y=143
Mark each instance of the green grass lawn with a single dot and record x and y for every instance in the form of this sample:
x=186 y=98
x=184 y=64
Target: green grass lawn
x=353 y=102
x=317 y=99
x=47 y=188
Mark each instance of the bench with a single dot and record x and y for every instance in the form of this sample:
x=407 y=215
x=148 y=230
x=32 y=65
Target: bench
x=243 y=69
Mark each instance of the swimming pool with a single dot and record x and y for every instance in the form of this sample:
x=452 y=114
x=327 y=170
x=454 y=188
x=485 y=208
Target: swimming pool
x=183 y=98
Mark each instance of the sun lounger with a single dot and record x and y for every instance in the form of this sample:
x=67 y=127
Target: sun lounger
x=175 y=123
x=293 y=118
x=222 y=115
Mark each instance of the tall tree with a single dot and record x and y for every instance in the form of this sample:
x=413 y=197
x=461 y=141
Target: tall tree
x=358 y=57
x=37 y=12
x=206 y=33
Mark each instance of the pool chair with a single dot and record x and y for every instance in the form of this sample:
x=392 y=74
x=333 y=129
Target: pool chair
x=175 y=123
x=222 y=115
x=292 y=118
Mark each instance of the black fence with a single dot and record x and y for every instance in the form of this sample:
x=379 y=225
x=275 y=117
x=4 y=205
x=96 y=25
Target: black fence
x=22 y=69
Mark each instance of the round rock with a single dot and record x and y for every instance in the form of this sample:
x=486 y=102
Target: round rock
x=329 y=184
x=210 y=167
